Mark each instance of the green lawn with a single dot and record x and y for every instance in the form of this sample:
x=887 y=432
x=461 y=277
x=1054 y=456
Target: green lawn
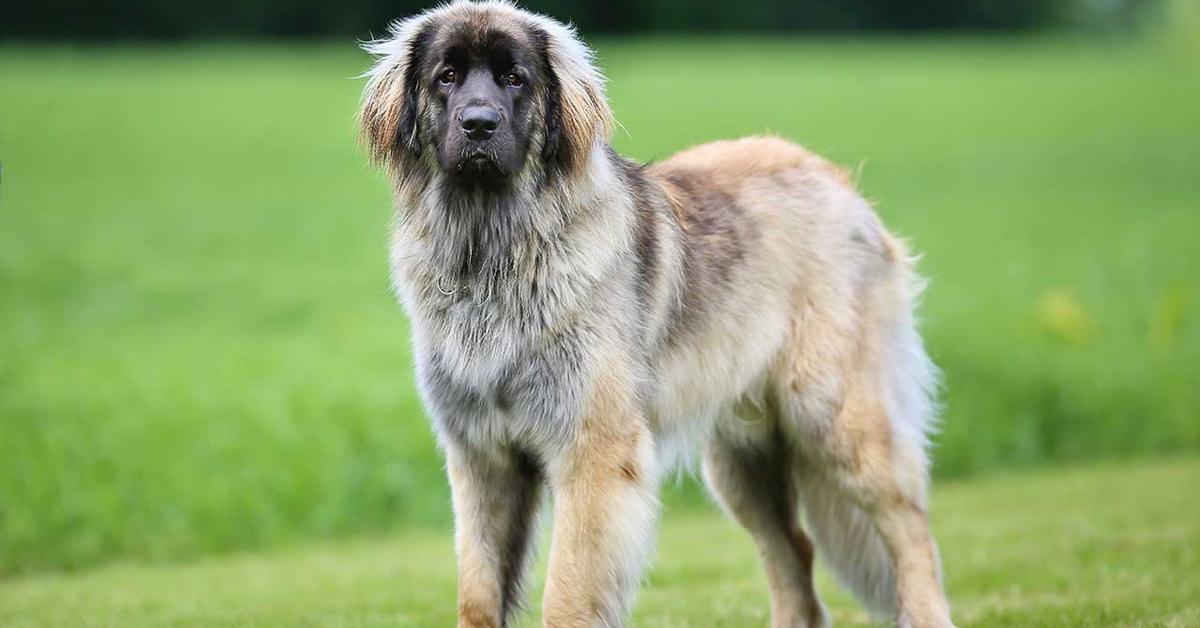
x=199 y=352
x=1117 y=545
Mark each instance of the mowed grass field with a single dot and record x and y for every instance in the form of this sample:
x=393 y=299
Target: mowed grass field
x=199 y=351
x=1115 y=545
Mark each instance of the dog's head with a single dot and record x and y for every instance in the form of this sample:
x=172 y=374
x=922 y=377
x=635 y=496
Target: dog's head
x=481 y=92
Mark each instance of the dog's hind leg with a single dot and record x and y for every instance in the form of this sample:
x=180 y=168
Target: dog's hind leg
x=865 y=504
x=856 y=387
x=496 y=496
x=748 y=468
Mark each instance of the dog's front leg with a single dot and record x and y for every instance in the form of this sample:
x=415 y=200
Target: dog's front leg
x=605 y=506
x=496 y=495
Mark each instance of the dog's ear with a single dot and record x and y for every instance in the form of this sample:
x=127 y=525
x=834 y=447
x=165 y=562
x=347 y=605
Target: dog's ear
x=577 y=112
x=388 y=117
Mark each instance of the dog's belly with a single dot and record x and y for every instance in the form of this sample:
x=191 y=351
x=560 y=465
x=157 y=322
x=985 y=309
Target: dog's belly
x=708 y=371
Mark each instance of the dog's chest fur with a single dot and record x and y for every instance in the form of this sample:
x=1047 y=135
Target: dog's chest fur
x=509 y=302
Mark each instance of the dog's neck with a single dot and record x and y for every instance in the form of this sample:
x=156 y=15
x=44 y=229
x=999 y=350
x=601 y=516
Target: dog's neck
x=489 y=235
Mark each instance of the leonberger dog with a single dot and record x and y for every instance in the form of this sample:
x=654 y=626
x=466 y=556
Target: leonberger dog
x=580 y=322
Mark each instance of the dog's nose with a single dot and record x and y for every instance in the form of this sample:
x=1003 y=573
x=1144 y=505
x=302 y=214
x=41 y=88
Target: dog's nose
x=479 y=121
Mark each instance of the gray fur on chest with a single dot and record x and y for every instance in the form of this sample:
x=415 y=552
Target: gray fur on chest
x=513 y=305
x=493 y=373
x=510 y=361
x=533 y=398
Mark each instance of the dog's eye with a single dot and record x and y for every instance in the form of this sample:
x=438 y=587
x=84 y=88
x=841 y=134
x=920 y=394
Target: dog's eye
x=513 y=79
x=447 y=77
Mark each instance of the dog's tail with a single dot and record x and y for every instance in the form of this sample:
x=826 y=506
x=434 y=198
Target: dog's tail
x=848 y=542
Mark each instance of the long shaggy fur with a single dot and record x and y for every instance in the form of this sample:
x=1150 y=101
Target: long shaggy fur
x=581 y=319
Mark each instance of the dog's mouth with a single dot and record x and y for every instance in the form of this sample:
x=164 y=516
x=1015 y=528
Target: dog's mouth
x=479 y=164
x=476 y=160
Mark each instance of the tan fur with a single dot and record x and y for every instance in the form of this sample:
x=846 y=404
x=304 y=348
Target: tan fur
x=857 y=452
x=380 y=114
x=730 y=163
x=607 y=472
x=479 y=596
x=586 y=115
x=739 y=298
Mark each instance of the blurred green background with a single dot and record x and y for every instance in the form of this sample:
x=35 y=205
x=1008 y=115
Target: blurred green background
x=199 y=351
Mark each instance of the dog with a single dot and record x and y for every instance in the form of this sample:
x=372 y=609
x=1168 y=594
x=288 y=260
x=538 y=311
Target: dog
x=580 y=322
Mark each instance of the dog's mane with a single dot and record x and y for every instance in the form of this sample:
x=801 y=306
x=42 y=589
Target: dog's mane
x=482 y=230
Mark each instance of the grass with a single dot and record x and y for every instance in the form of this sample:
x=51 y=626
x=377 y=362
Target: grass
x=199 y=353
x=1116 y=545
